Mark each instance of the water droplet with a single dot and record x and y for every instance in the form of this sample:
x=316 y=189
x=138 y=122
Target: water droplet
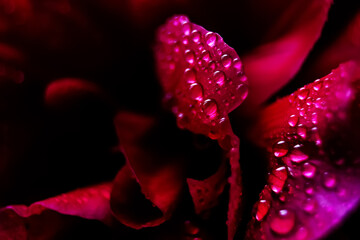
x=211 y=66
x=297 y=156
x=196 y=36
x=277 y=179
x=329 y=180
x=282 y=222
x=196 y=92
x=219 y=78
x=183 y=19
x=182 y=120
x=263 y=207
x=210 y=108
x=242 y=90
x=301 y=131
x=302 y=234
x=303 y=93
x=237 y=64
x=210 y=39
x=314 y=118
x=189 y=56
x=226 y=60
x=293 y=120
x=308 y=170
x=205 y=55
x=317 y=85
x=185 y=41
x=310 y=205
x=190 y=76
x=280 y=149
x=309 y=189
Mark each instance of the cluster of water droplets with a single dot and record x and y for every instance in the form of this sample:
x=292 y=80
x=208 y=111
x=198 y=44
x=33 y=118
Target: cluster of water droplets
x=204 y=74
x=297 y=168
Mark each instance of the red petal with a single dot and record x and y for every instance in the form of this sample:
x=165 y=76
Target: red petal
x=40 y=221
x=200 y=73
x=148 y=189
x=203 y=81
x=271 y=65
x=311 y=138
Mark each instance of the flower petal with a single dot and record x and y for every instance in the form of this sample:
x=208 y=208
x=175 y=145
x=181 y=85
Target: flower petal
x=271 y=65
x=203 y=81
x=147 y=190
x=311 y=139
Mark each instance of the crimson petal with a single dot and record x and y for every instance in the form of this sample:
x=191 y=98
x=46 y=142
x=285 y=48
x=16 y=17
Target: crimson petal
x=311 y=138
x=203 y=81
x=271 y=65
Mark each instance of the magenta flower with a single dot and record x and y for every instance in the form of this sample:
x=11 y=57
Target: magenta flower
x=129 y=120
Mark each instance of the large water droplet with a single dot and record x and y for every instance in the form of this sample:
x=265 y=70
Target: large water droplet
x=262 y=209
x=196 y=92
x=219 y=78
x=329 y=180
x=237 y=64
x=226 y=61
x=190 y=75
x=280 y=149
x=317 y=85
x=293 y=120
x=301 y=131
x=242 y=90
x=282 y=222
x=277 y=179
x=205 y=56
x=297 y=155
x=187 y=29
x=210 y=109
x=308 y=170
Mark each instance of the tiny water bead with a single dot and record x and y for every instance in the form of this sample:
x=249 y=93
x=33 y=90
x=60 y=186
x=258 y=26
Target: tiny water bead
x=187 y=29
x=277 y=179
x=283 y=222
x=303 y=93
x=308 y=170
x=309 y=188
x=262 y=209
x=329 y=180
x=210 y=109
x=301 y=131
x=280 y=149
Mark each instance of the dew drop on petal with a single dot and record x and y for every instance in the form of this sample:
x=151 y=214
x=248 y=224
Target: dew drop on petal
x=196 y=92
x=280 y=149
x=329 y=180
x=219 y=78
x=196 y=36
x=205 y=56
x=301 y=131
x=210 y=109
x=187 y=29
x=190 y=76
x=309 y=189
x=237 y=64
x=296 y=155
x=226 y=61
x=308 y=170
x=293 y=120
x=263 y=207
x=242 y=90
x=277 y=179
x=303 y=93
x=317 y=85
x=210 y=39
x=310 y=205
x=282 y=222
x=190 y=57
